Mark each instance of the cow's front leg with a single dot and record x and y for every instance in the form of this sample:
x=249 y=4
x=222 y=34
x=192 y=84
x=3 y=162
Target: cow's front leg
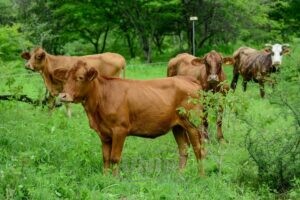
x=118 y=139
x=244 y=85
x=205 y=125
x=262 y=88
x=234 y=80
x=106 y=150
x=68 y=109
x=51 y=102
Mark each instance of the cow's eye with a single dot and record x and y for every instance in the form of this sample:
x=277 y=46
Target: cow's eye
x=80 y=78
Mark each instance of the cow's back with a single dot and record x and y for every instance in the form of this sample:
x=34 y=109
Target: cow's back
x=257 y=65
x=179 y=64
x=107 y=64
x=155 y=102
x=156 y=93
x=182 y=65
x=240 y=57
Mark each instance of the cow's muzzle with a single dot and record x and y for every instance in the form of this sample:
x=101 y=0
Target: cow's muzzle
x=65 y=97
x=276 y=63
x=213 y=78
x=29 y=67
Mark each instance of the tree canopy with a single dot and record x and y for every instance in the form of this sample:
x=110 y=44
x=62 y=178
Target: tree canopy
x=143 y=27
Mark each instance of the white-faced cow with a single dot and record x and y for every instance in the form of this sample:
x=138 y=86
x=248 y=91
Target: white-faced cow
x=107 y=64
x=117 y=108
x=257 y=65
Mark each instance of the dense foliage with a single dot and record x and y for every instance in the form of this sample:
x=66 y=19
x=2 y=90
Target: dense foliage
x=45 y=155
x=146 y=28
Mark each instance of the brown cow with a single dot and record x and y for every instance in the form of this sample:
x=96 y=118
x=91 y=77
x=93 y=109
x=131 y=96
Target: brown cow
x=117 y=108
x=257 y=65
x=107 y=64
x=208 y=70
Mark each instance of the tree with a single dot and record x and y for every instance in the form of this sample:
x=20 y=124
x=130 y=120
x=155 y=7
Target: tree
x=221 y=21
x=286 y=13
x=38 y=24
x=12 y=42
x=83 y=19
x=150 y=20
x=7 y=16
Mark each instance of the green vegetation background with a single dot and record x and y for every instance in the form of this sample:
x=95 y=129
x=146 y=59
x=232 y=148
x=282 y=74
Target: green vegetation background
x=48 y=156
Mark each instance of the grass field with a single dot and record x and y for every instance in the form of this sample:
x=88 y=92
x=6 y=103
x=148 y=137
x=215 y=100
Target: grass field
x=46 y=155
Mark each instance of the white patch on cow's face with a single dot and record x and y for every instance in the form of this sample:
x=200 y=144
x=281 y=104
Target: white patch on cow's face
x=276 y=54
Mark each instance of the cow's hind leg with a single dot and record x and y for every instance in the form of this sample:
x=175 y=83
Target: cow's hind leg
x=196 y=140
x=182 y=142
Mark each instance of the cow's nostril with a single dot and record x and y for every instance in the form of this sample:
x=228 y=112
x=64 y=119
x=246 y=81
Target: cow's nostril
x=213 y=78
x=62 y=95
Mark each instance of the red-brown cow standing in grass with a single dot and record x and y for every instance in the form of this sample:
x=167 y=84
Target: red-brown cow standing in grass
x=208 y=70
x=117 y=108
x=107 y=64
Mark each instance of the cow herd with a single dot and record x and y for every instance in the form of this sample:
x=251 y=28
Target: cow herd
x=117 y=107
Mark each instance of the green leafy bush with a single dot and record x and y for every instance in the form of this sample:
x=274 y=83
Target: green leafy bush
x=12 y=42
x=273 y=139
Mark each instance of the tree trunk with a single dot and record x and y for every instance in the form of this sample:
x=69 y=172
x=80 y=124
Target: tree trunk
x=130 y=45
x=146 y=48
x=104 y=39
x=158 y=41
x=96 y=47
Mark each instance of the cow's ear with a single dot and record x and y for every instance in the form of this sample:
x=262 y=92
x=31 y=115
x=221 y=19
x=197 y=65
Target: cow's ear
x=267 y=50
x=285 y=50
x=40 y=56
x=228 y=60
x=60 y=74
x=198 y=61
x=26 y=55
x=91 y=74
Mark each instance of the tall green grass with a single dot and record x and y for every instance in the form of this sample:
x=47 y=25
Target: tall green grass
x=45 y=155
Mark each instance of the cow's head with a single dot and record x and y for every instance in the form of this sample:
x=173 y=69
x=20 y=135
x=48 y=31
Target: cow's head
x=213 y=62
x=277 y=51
x=77 y=81
x=35 y=60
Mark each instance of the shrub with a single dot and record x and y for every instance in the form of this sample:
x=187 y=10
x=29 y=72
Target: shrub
x=12 y=42
x=273 y=139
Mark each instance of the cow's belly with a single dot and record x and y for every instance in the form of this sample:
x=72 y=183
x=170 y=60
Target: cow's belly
x=152 y=128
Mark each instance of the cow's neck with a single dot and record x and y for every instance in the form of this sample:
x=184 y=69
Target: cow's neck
x=47 y=75
x=94 y=93
x=205 y=85
x=45 y=71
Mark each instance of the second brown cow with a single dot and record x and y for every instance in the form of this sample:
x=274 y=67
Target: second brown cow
x=208 y=70
x=107 y=64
